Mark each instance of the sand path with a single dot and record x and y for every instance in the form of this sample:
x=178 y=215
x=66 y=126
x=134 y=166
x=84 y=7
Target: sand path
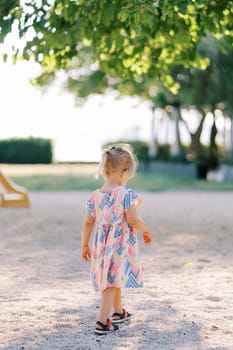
x=46 y=297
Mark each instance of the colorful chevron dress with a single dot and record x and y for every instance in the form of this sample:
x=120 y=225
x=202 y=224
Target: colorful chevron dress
x=115 y=255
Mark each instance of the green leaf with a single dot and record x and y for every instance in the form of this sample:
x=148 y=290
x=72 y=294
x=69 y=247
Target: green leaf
x=123 y=16
x=5 y=56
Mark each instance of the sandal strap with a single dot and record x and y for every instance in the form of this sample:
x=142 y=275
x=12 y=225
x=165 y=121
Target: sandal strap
x=106 y=326
x=118 y=314
x=121 y=315
x=102 y=325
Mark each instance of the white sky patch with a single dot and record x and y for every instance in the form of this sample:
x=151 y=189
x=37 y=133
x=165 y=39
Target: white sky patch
x=78 y=132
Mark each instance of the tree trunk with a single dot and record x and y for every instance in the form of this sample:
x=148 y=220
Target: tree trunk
x=224 y=136
x=213 y=160
x=167 y=124
x=153 y=140
x=178 y=130
x=175 y=147
x=195 y=137
x=213 y=134
x=231 y=140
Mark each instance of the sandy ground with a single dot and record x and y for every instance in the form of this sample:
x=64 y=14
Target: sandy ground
x=46 y=296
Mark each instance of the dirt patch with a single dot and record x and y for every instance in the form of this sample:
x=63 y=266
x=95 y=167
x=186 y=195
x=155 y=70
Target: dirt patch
x=46 y=295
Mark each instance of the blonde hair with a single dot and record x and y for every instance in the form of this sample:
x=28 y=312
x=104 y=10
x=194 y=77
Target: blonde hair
x=118 y=157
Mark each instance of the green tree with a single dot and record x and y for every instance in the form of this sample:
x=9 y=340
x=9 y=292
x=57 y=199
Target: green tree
x=205 y=90
x=124 y=38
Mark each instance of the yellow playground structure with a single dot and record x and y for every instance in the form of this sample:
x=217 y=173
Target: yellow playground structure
x=12 y=195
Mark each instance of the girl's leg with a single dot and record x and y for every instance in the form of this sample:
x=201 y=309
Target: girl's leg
x=120 y=314
x=106 y=303
x=117 y=301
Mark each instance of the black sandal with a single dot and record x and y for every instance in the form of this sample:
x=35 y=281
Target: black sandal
x=122 y=317
x=105 y=328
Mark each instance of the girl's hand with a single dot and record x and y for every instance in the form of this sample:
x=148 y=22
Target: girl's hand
x=147 y=236
x=86 y=253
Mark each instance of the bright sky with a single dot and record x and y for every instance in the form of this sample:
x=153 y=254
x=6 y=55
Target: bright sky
x=78 y=132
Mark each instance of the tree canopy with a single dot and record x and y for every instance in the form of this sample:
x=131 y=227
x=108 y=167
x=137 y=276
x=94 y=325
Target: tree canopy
x=122 y=38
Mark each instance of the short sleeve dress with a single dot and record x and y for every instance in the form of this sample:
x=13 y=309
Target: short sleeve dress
x=115 y=254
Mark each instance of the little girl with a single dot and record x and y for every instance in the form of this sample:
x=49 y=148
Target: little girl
x=115 y=260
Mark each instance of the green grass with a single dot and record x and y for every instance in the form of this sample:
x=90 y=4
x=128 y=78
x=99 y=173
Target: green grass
x=157 y=182
x=76 y=177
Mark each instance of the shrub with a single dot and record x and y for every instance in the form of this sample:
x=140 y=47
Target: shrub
x=163 y=152
x=26 y=151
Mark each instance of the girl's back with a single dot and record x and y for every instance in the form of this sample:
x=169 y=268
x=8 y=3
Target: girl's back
x=110 y=207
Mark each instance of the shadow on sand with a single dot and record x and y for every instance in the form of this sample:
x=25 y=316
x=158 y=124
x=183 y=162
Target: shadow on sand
x=135 y=335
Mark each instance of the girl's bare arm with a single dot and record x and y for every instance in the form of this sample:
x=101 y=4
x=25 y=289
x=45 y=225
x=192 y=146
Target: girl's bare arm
x=135 y=221
x=87 y=228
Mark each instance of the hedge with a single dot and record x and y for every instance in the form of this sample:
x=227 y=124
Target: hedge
x=26 y=151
